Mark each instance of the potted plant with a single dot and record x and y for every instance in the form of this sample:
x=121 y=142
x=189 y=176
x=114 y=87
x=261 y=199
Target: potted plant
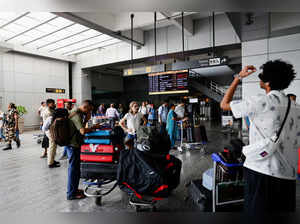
x=21 y=111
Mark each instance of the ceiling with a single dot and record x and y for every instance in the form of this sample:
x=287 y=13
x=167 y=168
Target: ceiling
x=50 y=33
x=59 y=34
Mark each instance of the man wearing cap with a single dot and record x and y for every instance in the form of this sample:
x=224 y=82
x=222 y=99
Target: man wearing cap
x=269 y=169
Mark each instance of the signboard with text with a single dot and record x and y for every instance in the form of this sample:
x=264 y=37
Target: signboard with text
x=55 y=90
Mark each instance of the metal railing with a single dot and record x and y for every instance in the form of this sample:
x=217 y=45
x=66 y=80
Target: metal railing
x=215 y=87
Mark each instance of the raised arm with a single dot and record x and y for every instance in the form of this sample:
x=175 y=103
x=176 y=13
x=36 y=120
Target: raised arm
x=225 y=103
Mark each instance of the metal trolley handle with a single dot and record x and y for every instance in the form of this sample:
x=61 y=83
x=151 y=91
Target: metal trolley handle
x=98 y=188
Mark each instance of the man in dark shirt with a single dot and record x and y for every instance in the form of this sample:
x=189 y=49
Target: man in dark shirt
x=78 y=119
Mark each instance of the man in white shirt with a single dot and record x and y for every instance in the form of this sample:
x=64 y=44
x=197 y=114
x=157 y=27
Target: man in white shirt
x=143 y=109
x=180 y=110
x=162 y=116
x=40 y=112
x=52 y=163
x=270 y=172
x=112 y=114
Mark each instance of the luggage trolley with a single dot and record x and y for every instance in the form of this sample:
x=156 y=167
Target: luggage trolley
x=99 y=163
x=201 y=146
x=95 y=188
x=228 y=182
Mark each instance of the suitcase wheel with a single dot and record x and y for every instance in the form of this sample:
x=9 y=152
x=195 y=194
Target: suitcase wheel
x=137 y=208
x=98 y=201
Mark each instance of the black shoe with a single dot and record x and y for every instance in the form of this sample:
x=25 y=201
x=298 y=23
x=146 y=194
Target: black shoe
x=63 y=157
x=7 y=147
x=56 y=162
x=54 y=165
x=78 y=196
x=18 y=143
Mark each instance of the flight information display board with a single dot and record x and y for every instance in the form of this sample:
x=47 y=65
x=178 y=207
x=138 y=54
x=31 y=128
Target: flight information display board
x=170 y=82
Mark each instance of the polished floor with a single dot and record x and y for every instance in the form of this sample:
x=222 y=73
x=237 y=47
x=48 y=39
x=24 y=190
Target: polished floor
x=28 y=185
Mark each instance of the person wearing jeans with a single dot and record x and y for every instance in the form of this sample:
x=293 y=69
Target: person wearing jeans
x=131 y=122
x=69 y=106
x=78 y=119
x=73 y=173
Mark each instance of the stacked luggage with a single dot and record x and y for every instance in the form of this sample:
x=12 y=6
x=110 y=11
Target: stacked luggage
x=100 y=153
x=149 y=169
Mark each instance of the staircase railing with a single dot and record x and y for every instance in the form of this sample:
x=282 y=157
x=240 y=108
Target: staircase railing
x=215 y=87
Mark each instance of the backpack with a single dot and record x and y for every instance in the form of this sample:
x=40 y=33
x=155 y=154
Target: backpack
x=60 y=128
x=151 y=140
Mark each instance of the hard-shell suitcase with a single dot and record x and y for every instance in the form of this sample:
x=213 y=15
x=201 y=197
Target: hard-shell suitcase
x=92 y=170
x=189 y=134
x=100 y=153
x=203 y=134
x=106 y=137
x=98 y=137
x=199 y=196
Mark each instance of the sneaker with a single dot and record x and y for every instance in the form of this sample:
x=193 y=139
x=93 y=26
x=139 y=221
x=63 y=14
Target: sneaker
x=78 y=196
x=56 y=162
x=44 y=156
x=7 y=147
x=54 y=165
x=18 y=143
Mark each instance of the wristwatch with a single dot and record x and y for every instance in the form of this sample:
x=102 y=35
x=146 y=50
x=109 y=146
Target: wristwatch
x=238 y=76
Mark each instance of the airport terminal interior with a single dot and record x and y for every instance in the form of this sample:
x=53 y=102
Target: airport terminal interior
x=146 y=94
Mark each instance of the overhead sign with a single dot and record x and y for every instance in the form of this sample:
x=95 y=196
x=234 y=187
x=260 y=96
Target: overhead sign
x=170 y=82
x=55 y=90
x=217 y=61
x=200 y=63
x=144 y=70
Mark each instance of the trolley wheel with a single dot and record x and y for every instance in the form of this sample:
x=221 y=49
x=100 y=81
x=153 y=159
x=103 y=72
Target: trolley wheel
x=98 y=200
x=137 y=208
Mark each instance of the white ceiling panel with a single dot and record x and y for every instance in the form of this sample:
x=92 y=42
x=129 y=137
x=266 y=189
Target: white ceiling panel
x=47 y=32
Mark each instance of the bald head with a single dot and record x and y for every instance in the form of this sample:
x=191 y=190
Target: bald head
x=87 y=106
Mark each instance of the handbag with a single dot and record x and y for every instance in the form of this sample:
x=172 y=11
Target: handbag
x=266 y=147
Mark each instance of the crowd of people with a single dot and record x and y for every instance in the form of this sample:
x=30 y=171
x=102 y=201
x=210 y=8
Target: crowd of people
x=164 y=118
x=268 y=167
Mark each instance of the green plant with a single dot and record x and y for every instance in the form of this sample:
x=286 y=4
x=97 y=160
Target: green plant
x=21 y=110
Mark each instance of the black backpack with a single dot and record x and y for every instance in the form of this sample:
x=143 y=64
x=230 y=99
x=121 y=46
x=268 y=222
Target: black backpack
x=60 y=127
x=151 y=140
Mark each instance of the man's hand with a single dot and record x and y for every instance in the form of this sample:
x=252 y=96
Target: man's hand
x=129 y=130
x=97 y=126
x=185 y=119
x=247 y=70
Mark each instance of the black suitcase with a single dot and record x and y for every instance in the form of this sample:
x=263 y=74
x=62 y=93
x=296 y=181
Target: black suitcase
x=203 y=134
x=200 y=197
x=189 y=134
x=200 y=134
x=92 y=170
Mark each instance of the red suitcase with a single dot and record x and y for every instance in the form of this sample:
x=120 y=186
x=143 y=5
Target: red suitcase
x=100 y=153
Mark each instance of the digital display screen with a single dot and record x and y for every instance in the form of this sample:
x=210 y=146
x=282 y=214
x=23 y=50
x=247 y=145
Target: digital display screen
x=170 y=82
